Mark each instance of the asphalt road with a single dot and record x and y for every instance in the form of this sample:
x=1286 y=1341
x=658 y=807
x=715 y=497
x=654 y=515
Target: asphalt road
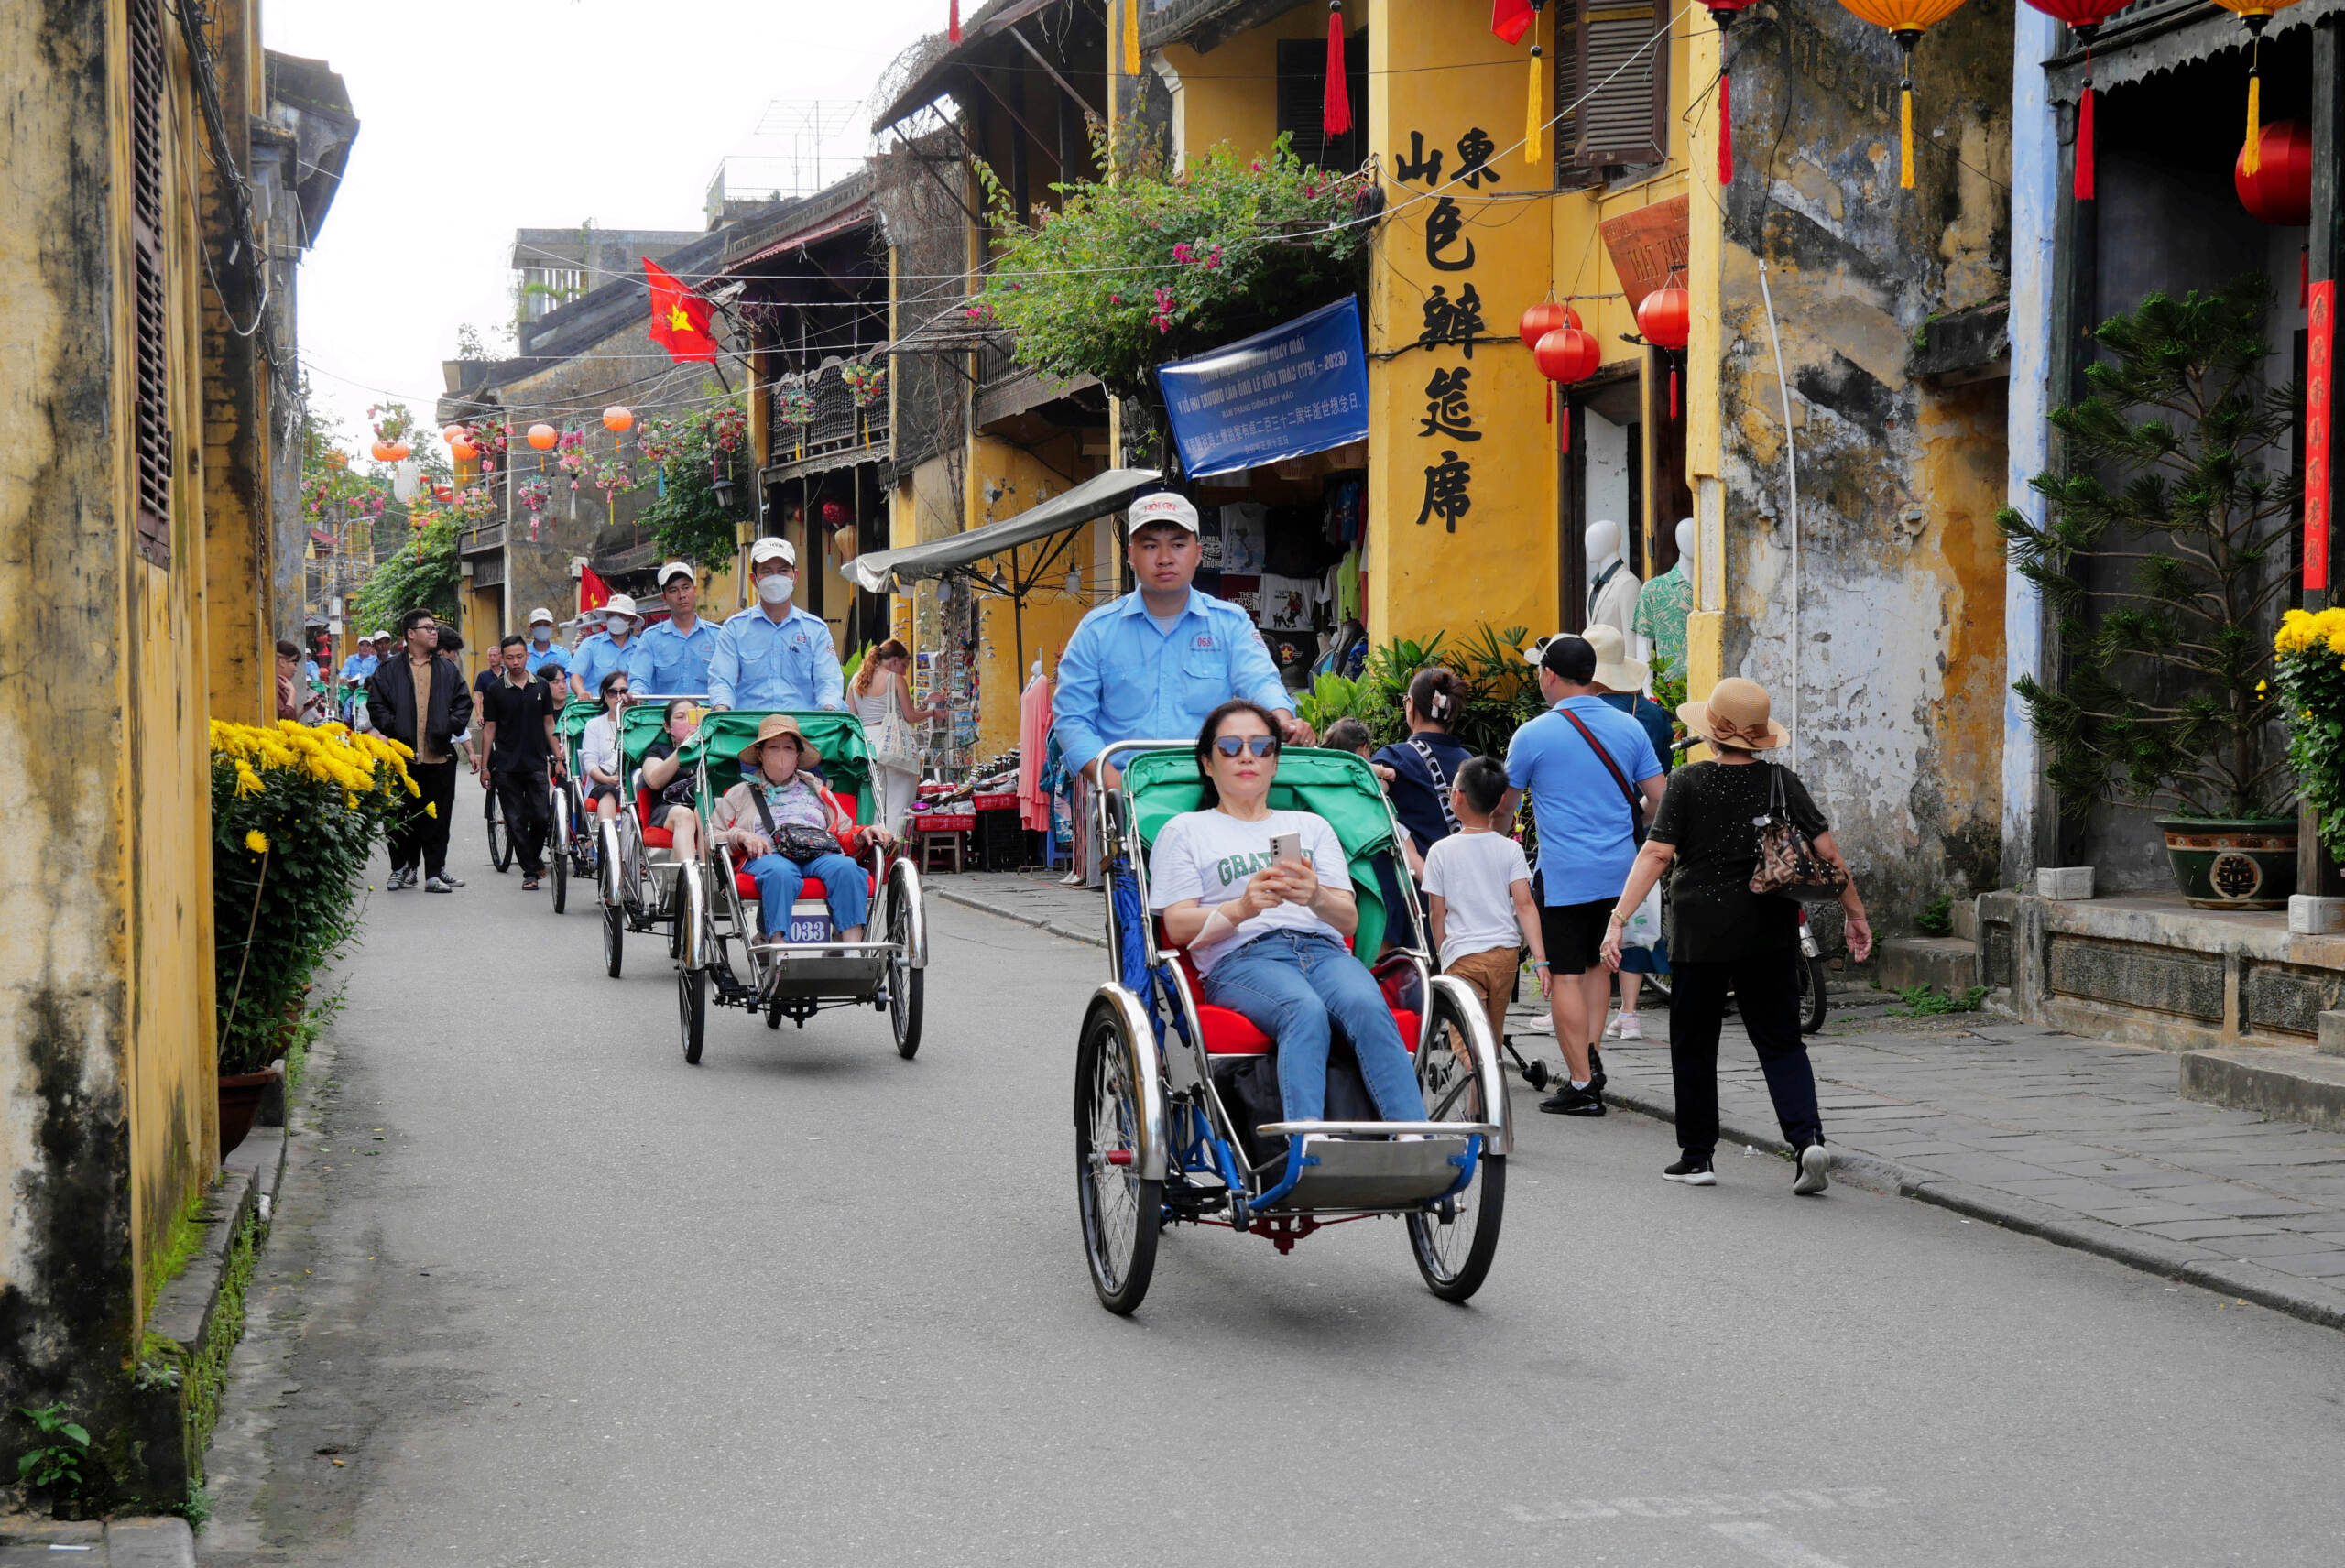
x=540 y=1293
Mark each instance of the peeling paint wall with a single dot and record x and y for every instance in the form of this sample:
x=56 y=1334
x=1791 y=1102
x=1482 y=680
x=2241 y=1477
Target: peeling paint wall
x=1894 y=684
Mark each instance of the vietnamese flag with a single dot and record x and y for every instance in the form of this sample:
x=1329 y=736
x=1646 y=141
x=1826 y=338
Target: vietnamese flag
x=592 y=592
x=679 y=315
x=1510 y=19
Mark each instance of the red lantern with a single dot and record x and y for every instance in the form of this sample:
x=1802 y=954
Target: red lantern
x=1722 y=12
x=1666 y=320
x=1566 y=356
x=542 y=436
x=618 y=418
x=2278 y=190
x=1544 y=318
x=2084 y=19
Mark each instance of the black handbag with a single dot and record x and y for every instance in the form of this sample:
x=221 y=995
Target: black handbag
x=792 y=840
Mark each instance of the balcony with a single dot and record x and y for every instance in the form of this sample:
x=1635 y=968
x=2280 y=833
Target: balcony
x=482 y=538
x=837 y=433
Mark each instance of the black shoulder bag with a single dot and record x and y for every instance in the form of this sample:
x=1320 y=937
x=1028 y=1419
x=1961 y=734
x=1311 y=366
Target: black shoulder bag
x=1440 y=780
x=791 y=841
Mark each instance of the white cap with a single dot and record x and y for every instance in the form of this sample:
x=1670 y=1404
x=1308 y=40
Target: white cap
x=376 y=637
x=542 y=615
x=780 y=550
x=1164 y=507
x=678 y=568
x=620 y=604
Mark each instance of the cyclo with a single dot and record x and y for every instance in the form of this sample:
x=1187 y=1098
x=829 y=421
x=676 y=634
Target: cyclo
x=1163 y=1079
x=637 y=876
x=570 y=826
x=720 y=955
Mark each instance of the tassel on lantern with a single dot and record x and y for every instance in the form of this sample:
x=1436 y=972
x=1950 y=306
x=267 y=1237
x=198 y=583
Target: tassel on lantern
x=1905 y=132
x=1336 y=108
x=1673 y=386
x=2084 y=144
x=1534 y=111
x=1563 y=427
x=1551 y=402
x=1131 y=38
x=1725 y=129
x=953 y=25
x=2252 y=157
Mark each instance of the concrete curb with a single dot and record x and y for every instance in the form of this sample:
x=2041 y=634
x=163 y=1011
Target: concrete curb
x=2150 y=1254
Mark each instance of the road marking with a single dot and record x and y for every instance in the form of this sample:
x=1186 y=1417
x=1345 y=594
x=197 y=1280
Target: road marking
x=1765 y=1540
x=1714 y=1504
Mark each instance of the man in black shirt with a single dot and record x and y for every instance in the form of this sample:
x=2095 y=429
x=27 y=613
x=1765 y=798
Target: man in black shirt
x=517 y=734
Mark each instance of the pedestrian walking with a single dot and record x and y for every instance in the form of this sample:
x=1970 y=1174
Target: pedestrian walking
x=418 y=698
x=775 y=657
x=1418 y=773
x=452 y=647
x=1723 y=937
x=1621 y=681
x=517 y=730
x=881 y=698
x=1477 y=893
x=295 y=701
x=1592 y=778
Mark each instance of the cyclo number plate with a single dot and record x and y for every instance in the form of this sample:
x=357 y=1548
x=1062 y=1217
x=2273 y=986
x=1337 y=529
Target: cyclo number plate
x=810 y=926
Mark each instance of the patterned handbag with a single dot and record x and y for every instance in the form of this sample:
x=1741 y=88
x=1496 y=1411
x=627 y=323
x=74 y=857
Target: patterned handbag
x=1788 y=863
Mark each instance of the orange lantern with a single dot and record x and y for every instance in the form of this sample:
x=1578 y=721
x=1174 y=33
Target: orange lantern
x=451 y=434
x=1906 y=20
x=618 y=418
x=1665 y=317
x=463 y=449
x=2257 y=15
x=1566 y=356
x=2278 y=189
x=543 y=437
x=401 y=451
x=383 y=451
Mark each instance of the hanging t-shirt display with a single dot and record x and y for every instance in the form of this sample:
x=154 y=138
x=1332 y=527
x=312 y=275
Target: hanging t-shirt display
x=1287 y=602
x=1245 y=592
x=1245 y=535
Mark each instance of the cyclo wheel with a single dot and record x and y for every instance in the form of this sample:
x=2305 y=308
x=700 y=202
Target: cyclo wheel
x=1454 y=1254
x=500 y=838
x=1813 y=1002
x=692 y=1010
x=613 y=938
x=1121 y=1212
x=905 y=984
x=558 y=858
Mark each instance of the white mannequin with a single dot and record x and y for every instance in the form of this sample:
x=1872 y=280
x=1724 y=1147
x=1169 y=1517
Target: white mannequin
x=1685 y=544
x=1612 y=599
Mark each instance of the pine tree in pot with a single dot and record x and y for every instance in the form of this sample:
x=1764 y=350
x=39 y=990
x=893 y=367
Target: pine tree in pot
x=2164 y=552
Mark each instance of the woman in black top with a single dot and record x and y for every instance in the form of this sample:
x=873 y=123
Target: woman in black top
x=670 y=785
x=1422 y=769
x=1723 y=938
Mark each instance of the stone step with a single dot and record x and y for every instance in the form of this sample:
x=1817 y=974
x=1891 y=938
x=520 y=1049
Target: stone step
x=1948 y=962
x=2291 y=1082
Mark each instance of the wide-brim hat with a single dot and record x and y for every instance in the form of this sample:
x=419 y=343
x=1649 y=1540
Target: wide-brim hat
x=1614 y=668
x=1736 y=715
x=773 y=726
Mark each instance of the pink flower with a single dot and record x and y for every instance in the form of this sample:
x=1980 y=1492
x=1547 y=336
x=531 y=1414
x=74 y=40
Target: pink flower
x=1115 y=298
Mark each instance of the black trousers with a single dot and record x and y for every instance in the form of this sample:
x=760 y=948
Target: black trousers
x=1766 y=990
x=521 y=796
x=422 y=838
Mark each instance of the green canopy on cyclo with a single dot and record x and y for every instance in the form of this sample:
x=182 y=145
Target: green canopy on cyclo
x=1337 y=785
x=847 y=757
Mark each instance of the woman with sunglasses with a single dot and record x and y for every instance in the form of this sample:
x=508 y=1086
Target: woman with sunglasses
x=1267 y=935
x=598 y=748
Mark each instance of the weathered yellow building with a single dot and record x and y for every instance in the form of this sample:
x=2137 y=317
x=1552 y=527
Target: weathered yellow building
x=142 y=515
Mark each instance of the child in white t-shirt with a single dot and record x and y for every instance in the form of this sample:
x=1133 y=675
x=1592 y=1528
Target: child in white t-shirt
x=1477 y=887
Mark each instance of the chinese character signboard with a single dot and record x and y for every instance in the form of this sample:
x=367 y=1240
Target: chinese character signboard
x=1301 y=388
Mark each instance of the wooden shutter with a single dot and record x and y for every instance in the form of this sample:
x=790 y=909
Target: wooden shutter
x=1302 y=98
x=150 y=299
x=1620 y=84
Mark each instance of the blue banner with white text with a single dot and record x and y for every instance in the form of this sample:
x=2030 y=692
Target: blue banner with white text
x=1297 y=388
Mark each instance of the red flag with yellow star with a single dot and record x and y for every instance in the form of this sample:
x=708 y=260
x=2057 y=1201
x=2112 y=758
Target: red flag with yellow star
x=679 y=315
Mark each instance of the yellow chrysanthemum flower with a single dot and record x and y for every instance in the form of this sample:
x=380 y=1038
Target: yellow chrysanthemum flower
x=431 y=809
x=257 y=841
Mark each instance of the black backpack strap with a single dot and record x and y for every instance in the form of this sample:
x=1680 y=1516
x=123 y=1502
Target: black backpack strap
x=1636 y=811
x=1440 y=780
x=765 y=811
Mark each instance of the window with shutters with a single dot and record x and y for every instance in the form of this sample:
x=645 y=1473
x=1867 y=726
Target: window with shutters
x=150 y=342
x=1301 y=101
x=1613 y=91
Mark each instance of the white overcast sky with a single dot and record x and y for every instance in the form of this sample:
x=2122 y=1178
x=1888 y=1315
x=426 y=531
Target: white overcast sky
x=481 y=117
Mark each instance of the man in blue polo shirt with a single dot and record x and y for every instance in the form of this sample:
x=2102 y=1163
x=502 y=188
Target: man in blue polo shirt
x=606 y=651
x=671 y=657
x=541 y=649
x=1588 y=835
x=774 y=657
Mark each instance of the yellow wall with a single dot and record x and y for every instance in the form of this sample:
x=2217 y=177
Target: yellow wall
x=1005 y=479
x=1231 y=94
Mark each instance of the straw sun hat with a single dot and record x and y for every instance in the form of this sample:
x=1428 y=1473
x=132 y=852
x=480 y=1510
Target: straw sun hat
x=1736 y=716
x=773 y=726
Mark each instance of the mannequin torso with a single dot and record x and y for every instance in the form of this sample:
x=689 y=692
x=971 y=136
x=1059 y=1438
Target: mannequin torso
x=1613 y=588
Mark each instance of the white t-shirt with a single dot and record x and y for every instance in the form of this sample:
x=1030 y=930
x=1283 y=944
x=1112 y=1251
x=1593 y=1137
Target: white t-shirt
x=1474 y=875
x=1212 y=856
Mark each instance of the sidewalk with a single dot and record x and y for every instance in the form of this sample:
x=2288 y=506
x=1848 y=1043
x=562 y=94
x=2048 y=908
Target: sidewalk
x=2083 y=1143
x=124 y=1543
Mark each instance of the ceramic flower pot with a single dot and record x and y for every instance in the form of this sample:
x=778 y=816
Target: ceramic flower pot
x=240 y=1098
x=2232 y=863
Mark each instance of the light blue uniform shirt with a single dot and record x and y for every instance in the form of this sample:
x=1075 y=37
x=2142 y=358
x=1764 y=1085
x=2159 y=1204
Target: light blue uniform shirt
x=597 y=657
x=359 y=666
x=667 y=662
x=553 y=653
x=1587 y=836
x=768 y=666
x=1124 y=678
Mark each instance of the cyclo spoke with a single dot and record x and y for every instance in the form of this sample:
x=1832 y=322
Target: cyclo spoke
x=1112 y=1187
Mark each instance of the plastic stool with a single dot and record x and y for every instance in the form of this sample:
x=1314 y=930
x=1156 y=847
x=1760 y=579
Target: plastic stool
x=947 y=844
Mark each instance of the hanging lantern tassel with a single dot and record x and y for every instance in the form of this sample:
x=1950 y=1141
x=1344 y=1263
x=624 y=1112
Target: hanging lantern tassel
x=1906 y=116
x=1131 y=38
x=1725 y=128
x=1551 y=402
x=1534 y=109
x=1563 y=425
x=2084 y=140
x=953 y=25
x=1336 y=108
x=1673 y=386
x=2252 y=157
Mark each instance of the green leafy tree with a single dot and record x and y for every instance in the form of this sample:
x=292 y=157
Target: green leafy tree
x=688 y=519
x=2162 y=553
x=422 y=575
x=1155 y=266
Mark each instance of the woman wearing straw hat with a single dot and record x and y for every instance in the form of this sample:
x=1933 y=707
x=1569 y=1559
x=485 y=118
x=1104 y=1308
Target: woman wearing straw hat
x=780 y=799
x=1723 y=938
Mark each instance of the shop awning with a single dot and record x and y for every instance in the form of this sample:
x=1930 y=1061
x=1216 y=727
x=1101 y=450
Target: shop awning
x=884 y=570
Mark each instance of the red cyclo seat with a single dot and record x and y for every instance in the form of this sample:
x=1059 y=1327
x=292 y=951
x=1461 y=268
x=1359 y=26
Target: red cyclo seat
x=1232 y=1033
x=653 y=838
x=849 y=843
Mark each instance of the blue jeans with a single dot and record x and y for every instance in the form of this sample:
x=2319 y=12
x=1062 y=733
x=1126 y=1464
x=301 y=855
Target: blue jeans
x=1296 y=987
x=778 y=878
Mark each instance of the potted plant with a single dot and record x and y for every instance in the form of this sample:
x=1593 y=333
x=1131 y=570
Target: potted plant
x=2163 y=553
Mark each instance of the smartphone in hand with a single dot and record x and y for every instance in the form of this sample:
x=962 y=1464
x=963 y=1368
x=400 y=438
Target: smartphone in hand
x=1286 y=846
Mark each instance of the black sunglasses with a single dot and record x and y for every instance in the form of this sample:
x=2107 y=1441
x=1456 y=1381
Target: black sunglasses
x=1260 y=745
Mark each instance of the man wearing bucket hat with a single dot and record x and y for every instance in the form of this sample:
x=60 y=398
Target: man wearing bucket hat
x=778 y=801
x=773 y=655
x=1723 y=938
x=1592 y=778
x=671 y=657
x=606 y=651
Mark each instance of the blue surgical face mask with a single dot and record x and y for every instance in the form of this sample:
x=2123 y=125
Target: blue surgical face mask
x=541 y=634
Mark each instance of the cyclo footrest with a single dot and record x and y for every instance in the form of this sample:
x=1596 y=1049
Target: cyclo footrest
x=1373 y=1165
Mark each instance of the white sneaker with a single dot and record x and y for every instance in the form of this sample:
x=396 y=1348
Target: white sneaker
x=1624 y=1026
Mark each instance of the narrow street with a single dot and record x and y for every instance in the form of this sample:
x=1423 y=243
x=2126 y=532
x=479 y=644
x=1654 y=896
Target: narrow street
x=540 y=1293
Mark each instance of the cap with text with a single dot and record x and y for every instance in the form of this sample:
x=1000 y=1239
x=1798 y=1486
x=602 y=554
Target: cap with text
x=767 y=550
x=678 y=569
x=541 y=617
x=1165 y=507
